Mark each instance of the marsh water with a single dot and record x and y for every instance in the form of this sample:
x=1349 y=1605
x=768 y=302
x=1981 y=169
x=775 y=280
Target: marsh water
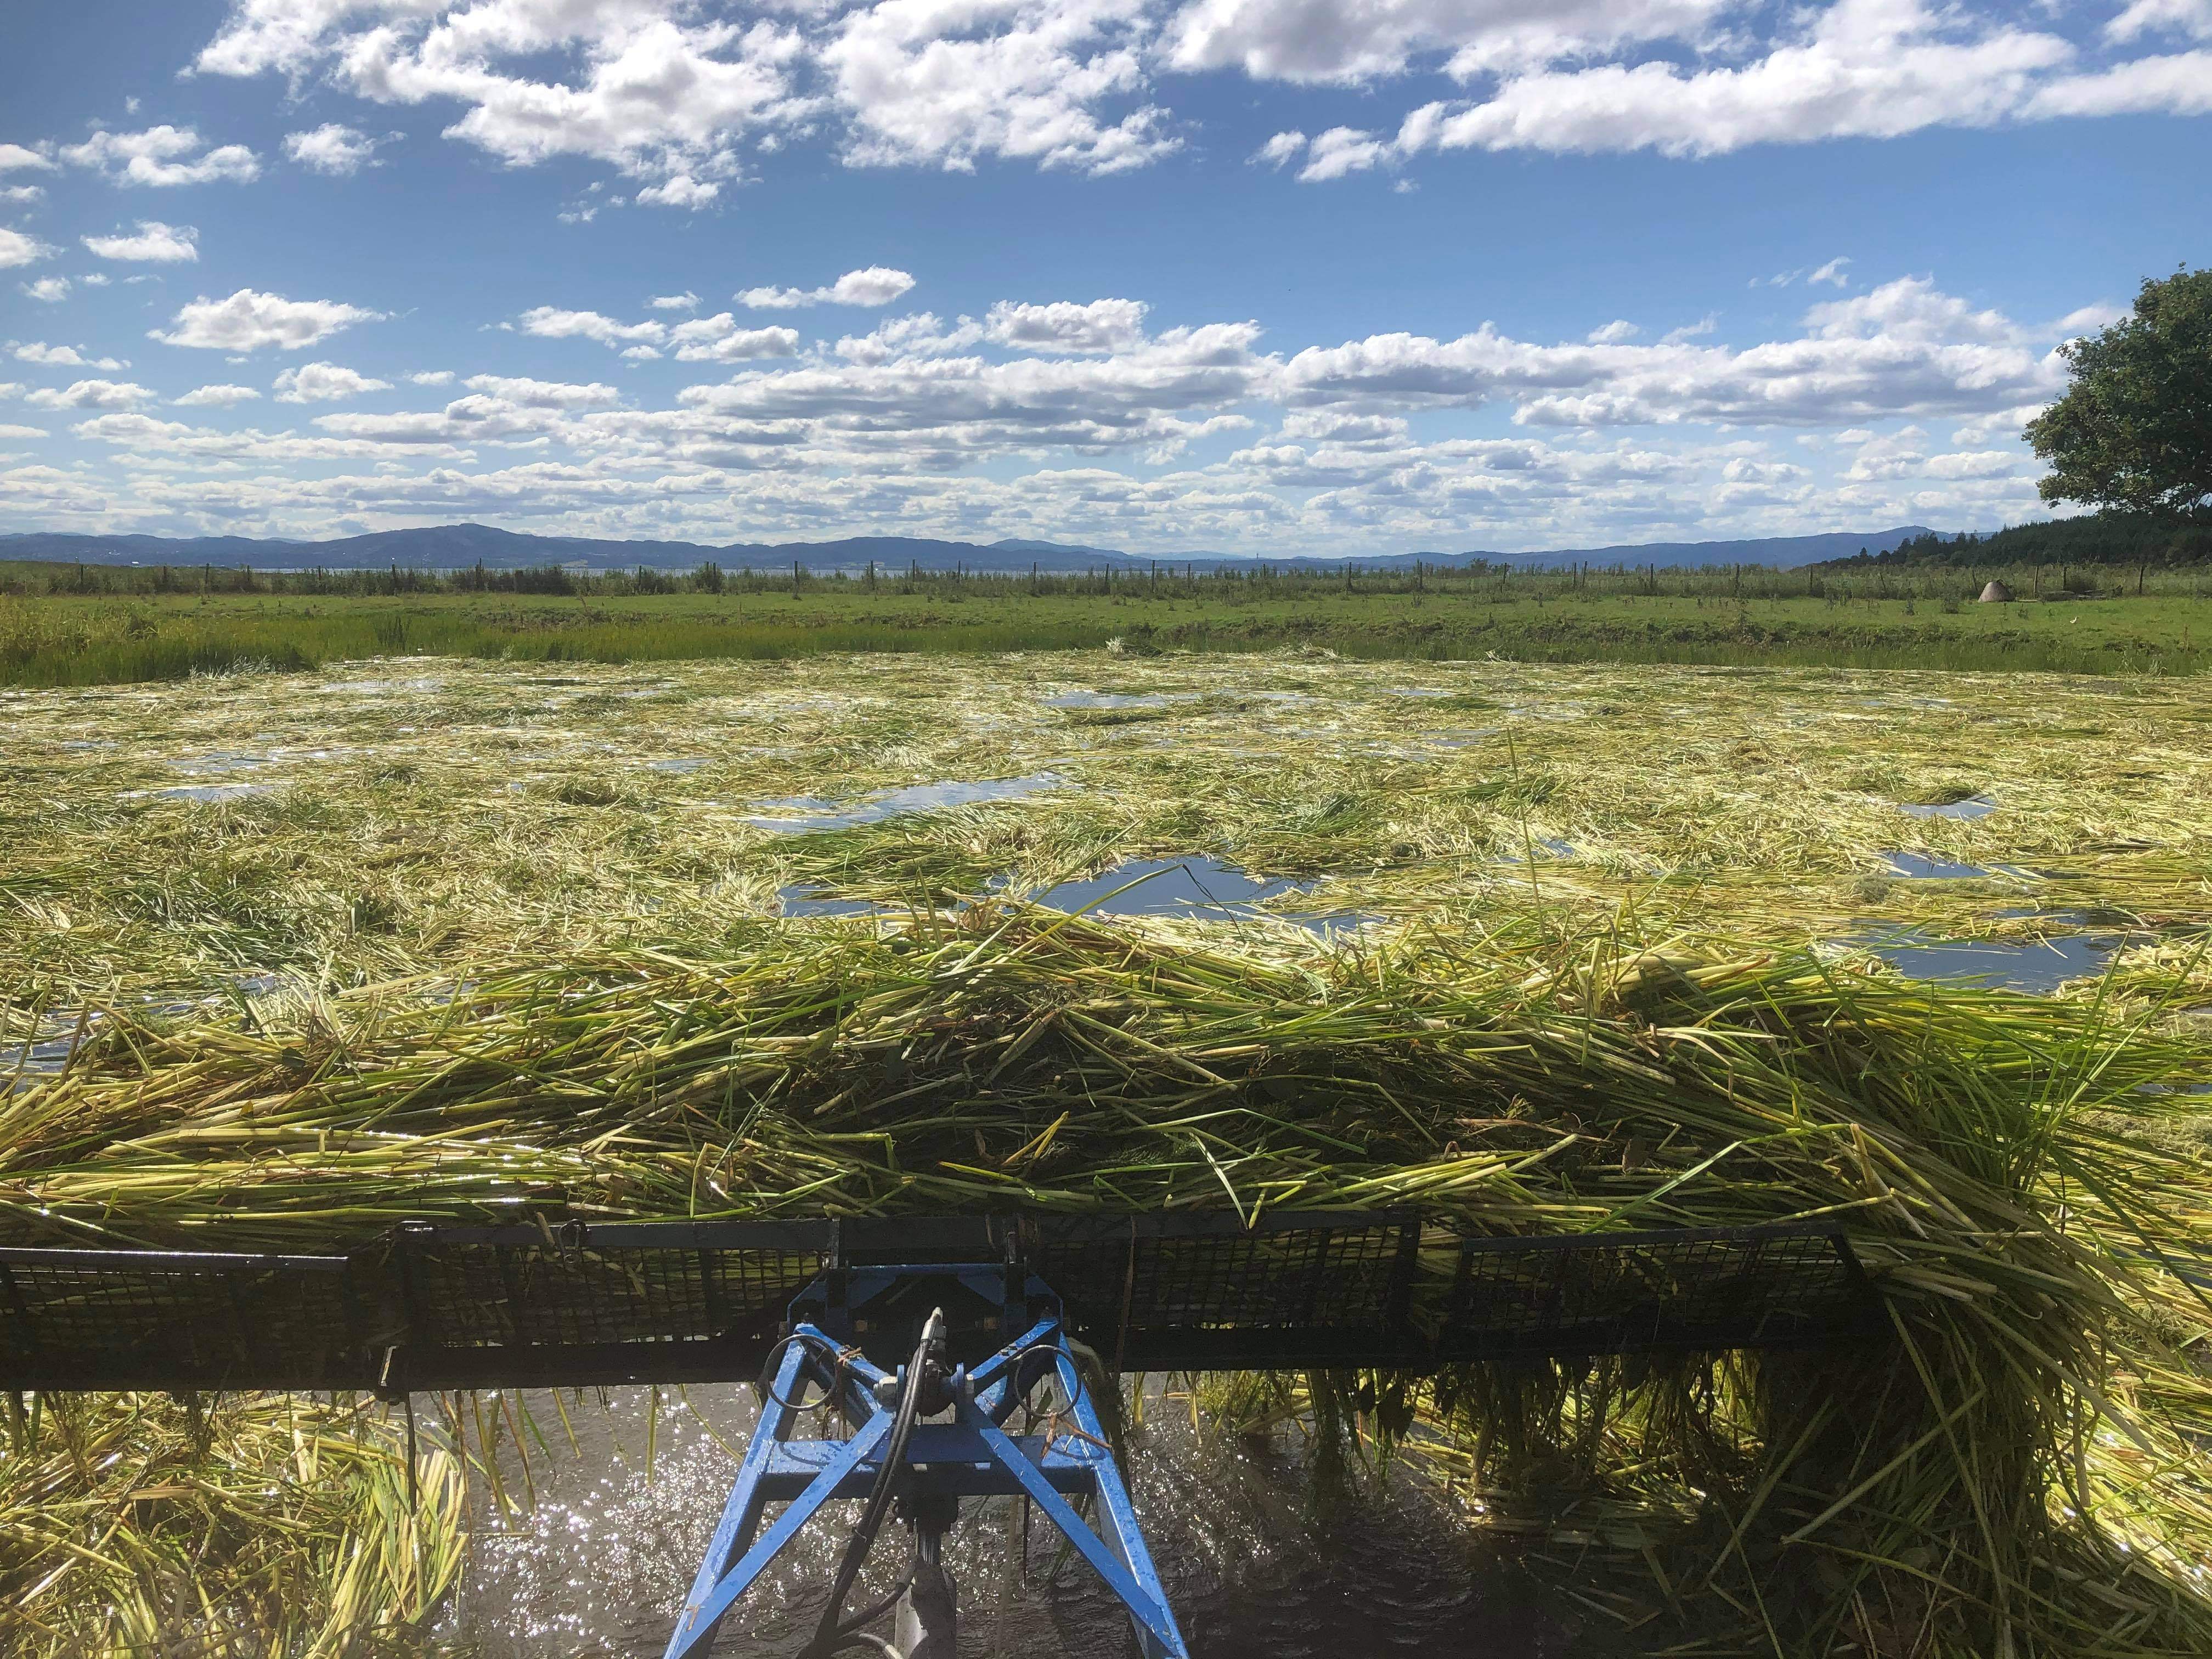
x=799 y=814
x=598 y=1566
x=1197 y=888
x=2041 y=964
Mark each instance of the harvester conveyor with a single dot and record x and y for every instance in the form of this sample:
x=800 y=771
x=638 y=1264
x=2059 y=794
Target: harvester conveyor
x=884 y=1324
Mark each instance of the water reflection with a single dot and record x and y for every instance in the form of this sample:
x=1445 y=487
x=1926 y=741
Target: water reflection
x=2037 y=965
x=218 y=761
x=801 y=815
x=1198 y=888
x=207 y=792
x=1107 y=700
x=805 y=899
x=1975 y=806
x=600 y=1565
x=1928 y=866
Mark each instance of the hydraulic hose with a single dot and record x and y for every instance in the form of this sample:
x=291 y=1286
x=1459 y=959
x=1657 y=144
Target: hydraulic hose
x=835 y=1632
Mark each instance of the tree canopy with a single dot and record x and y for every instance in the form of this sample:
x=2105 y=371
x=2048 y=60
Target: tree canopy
x=2134 y=430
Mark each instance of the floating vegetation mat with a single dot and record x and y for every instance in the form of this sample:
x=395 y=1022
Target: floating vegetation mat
x=410 y=813
x=135 y=1525
x=1612 y=974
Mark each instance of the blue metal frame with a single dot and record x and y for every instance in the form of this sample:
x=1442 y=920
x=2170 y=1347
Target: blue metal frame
x=971 y=1455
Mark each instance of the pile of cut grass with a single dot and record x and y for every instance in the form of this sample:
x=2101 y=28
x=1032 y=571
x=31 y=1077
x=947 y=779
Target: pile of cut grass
x=235 y=1528
x=423 y=813
x=2016 y=1473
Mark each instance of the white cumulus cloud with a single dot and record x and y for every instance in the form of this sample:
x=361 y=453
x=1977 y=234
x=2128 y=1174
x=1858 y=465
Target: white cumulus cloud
x=689 y=98
x=332 y=149
x=719 y=339
x=249 y=319
x=686 y=300
x=658 y=89
x=681 y=191
x=164 y=155
x=876 y=285
x=324 y=383
x=18 y=249
x=542 y=394
x=1341 y=151
x=216 y=396
x=1312 y=40
x=92 y=394
x=62 y=356
x=16 y=158
x=1578 y=75
x=1038 y=80
x=47 y=290
x=1905 y=347
x=551 y=323
x=153 y=242
x=1101 y=326
x=918 y=336
x=2189 y=17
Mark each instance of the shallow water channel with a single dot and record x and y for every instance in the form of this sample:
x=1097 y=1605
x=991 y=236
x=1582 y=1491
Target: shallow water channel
x=598 y=1566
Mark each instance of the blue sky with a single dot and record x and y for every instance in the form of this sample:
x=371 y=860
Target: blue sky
x=1267 y=277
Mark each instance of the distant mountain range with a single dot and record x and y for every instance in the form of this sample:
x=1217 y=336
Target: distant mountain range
x=451 y=547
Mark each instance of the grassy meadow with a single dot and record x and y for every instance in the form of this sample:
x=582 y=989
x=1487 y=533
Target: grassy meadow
x=121 y=628
x=286 y=957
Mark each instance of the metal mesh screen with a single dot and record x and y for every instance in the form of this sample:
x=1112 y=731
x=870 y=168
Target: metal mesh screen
x=539 y=1294
x=1317 y=1278
x=1630 y=1292
x=446 y=1307
x=124 y=1319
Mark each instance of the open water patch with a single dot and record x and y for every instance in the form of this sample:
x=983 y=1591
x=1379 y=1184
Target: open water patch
x=215 y=764
x=1974 y=806
x=1463 y=739
x=1930 y=866
x=599 y=1563
x=1538 y=846
x=678 y=763
x=799 y=814
x=1107 y=700
x=1198 y=889
x=41 y=1056
x=383 y=688
x=2038 y=966
x=805 y=899
x=206 y=793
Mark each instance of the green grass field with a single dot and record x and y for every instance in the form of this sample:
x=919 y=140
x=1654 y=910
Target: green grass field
x=56 y=639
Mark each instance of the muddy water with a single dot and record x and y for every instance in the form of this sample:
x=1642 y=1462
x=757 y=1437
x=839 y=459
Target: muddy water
x=599 y=1567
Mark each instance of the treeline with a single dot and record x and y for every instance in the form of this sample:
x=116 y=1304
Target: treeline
x=1950 y=572
x=2105 y=539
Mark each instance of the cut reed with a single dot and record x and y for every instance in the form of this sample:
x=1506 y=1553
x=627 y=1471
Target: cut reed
x=230 y=1528
x=478 y=958
x=2013 y=1469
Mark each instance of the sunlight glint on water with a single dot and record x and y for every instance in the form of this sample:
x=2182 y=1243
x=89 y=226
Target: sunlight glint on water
x=599 y=1570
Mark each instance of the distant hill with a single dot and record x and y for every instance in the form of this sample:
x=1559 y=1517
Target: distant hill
x=1783 y=552
x=2098 y=538
x=451 y=547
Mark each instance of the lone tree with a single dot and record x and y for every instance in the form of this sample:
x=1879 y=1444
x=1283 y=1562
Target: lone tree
x=2134 y=430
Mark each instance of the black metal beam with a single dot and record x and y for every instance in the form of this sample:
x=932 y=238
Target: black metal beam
x=434 y=1307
